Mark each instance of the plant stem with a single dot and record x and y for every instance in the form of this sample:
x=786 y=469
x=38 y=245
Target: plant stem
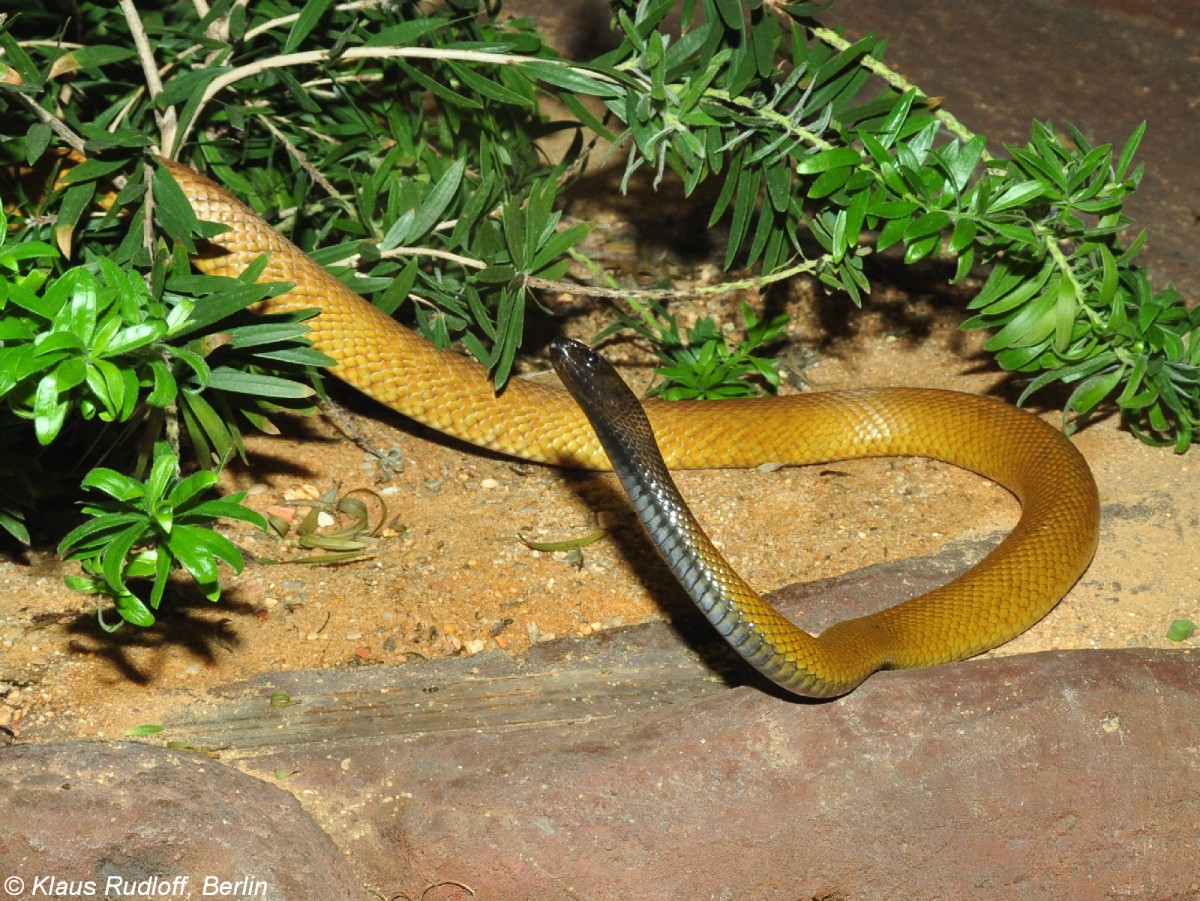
x=731 y=287
x=166 y=118
x=901 y=84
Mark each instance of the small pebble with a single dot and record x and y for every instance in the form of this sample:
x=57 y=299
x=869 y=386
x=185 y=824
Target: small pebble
x=287 y=514
x=488 y=484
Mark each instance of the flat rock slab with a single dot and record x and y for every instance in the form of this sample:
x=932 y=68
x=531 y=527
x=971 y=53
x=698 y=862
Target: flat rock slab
x=1063 y=774
x=1057 y=775
x=625 y=765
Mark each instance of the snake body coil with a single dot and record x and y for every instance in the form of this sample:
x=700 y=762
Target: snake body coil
x=1005 y=594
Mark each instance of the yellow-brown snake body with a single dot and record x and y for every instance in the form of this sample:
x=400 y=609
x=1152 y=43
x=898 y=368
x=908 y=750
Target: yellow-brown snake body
x=1004 y=595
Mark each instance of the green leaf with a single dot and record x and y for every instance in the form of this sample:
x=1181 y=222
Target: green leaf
x=193 y=555
x=1181 y=630
x=930 y=224
x=1006 y=288
x=1129 y=151
x=92 y=168
x=1019 y=194
x=856 y=215
x=132 y=610
x=15 y=56
x=225 y=378
x=730 y=12
x=892 y=232
x=49 y=412
x=1016 y=234
x=117 y=485
x=559 y=244
x=221 y=548
x=94 y=534
x=829 y=182
x=439 y=199
x=174 y=210
x=1064 y=314
x=224 y=508
x=133 y=337
x=889 y=128
x=1090 y=392
x=490 y=88
x=834 y=158
x=163 y=471
x=11 y=522
x=573 y=78
x=961 y=165
x=404 y=34
x=188 y=488
x=963 y=235
x=115 y=555
x=37 y=139
x=744 y=203
x=920 y=248
x=1031 y=324
x=779 y=184
x=309 y=18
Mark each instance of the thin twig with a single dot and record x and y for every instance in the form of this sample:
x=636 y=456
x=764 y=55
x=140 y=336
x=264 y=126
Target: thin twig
x=774 y=116
x=744 y=284
x=467 y=262
x=308 y=167
x=899 y=83
x=57 y=125
x=166 y=118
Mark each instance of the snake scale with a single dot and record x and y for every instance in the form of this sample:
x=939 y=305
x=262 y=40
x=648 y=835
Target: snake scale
x=1006 y=593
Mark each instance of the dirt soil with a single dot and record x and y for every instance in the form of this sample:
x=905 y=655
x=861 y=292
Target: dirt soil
x=451 y=572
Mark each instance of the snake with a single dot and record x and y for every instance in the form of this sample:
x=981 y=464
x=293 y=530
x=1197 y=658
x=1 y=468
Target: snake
x=592 y=421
